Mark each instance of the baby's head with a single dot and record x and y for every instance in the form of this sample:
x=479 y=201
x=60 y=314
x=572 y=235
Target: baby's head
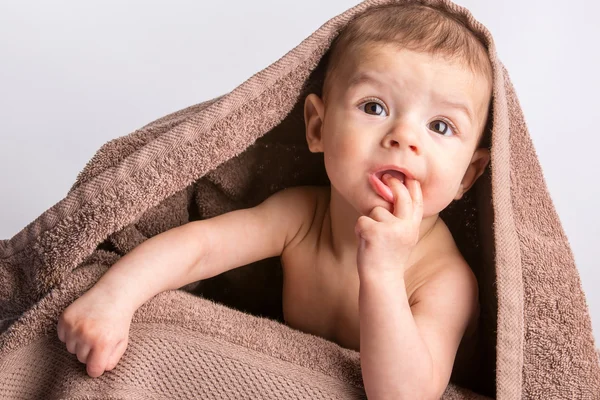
x=406 y=87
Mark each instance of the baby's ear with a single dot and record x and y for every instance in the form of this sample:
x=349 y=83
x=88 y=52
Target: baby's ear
x=479 y=162
x=313 y=120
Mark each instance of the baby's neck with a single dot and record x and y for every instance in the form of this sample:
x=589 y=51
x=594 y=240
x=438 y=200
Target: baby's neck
x=338 y=226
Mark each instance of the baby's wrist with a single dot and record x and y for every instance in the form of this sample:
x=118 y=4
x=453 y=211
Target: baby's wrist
x=113 y=296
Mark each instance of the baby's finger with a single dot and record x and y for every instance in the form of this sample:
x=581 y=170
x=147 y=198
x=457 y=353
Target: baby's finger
x=402 y=201
x=116 y=355
x=83 y=351
x=97 y=360
x=380 y=214
x=60 y=330
x=414 y=188
x=71 y=345
x=363 y=226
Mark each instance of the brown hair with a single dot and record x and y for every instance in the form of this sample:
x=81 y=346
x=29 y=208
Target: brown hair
x=415 y=27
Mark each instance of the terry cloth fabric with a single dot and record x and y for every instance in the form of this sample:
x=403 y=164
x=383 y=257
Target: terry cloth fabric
x=232 y=152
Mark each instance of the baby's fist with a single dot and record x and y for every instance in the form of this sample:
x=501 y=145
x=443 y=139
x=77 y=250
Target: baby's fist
x=96 y=330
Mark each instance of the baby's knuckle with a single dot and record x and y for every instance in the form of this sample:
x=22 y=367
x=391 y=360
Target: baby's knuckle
x=92 y=331
x=66 y=321
x=362 y=223
x=377 y=210
x=95 y=342
x=101 y=342
x=381 y=212
x=362 y=219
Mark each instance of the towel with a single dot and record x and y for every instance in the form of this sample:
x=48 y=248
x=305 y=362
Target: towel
x=225 y=337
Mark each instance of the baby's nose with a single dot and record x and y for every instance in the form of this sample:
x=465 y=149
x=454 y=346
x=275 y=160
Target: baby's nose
x=402 y=140
x=404 y=133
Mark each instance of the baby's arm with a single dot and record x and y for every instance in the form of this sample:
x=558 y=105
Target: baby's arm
x=96 y=326
x=410 y=348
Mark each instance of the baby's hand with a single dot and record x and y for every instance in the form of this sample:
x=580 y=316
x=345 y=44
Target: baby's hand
x=386 y=238
x=96 y=328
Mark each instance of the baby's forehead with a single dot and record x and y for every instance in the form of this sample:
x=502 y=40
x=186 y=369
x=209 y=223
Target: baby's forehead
x=383 y=66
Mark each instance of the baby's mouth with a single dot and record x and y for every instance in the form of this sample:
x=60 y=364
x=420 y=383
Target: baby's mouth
x=396 y=174
x=381 y=188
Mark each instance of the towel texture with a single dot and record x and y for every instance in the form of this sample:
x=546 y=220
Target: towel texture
x=232 y=152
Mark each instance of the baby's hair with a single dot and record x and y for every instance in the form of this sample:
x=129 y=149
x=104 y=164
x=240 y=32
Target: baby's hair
x=415 y=27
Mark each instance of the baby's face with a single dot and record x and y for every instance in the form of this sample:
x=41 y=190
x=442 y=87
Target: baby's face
x=390 y=107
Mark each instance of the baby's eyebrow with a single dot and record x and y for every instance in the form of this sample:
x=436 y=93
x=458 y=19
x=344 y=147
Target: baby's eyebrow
x=365 y=77
x=461 y=107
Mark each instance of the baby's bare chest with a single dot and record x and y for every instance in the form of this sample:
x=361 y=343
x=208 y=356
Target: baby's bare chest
x=321 y=297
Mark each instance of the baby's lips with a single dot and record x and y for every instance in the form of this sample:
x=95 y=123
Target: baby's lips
x=381 y=188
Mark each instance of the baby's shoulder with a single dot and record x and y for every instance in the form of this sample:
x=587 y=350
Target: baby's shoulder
x=438 y=250
x=442 y=270
x=305 y=205
x=435 y=248
x=304 y=200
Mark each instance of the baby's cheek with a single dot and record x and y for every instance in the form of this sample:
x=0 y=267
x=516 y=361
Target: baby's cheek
x=346 y=147
x=437 y=195
x=345 y=156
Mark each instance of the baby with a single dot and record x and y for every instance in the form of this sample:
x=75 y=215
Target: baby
x=367 y=262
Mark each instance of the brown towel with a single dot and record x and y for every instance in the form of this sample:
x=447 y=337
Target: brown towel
x=231 y=152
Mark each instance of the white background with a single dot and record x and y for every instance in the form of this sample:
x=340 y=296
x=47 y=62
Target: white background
x=74 y=75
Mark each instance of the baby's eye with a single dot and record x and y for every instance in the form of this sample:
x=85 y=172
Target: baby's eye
x=373 y=108
x=442 y=127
